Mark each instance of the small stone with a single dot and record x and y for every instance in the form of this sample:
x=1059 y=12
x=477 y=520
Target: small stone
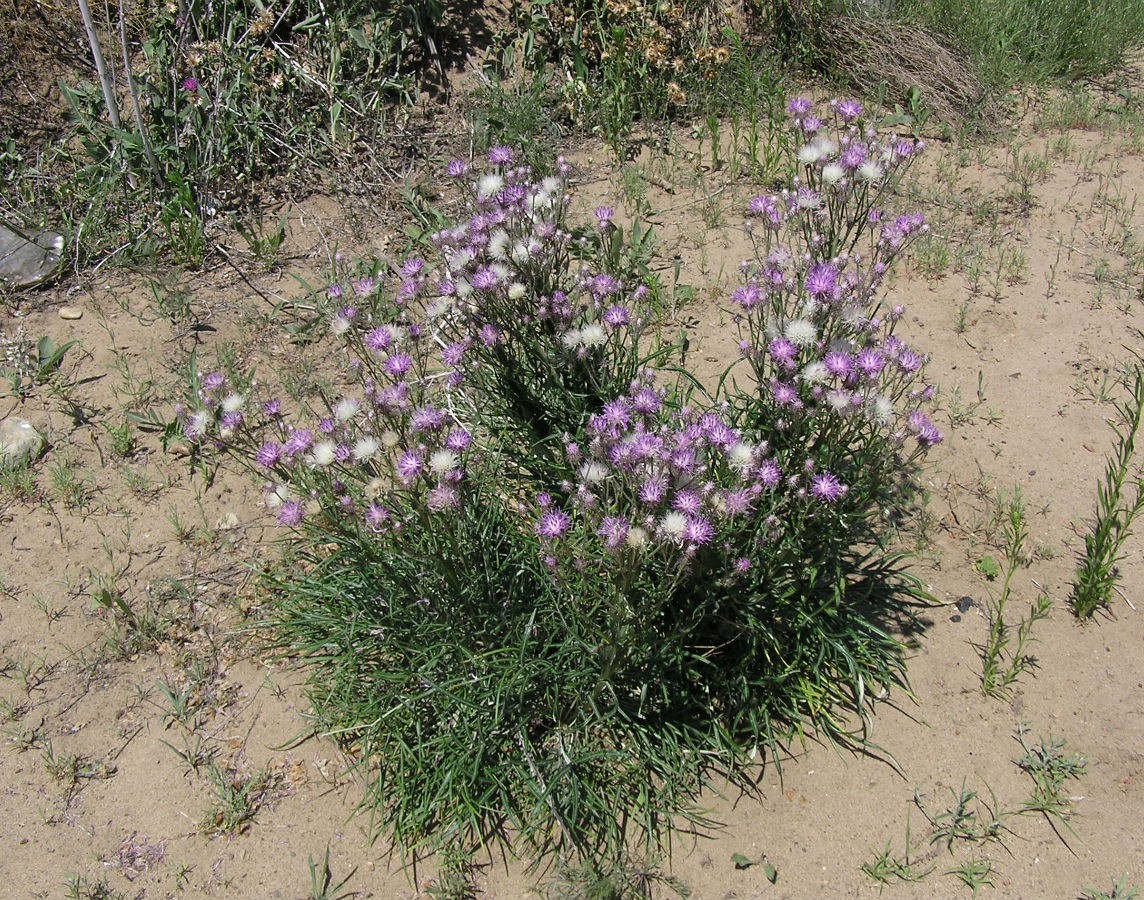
x=71 y=312
x=180 y=450
x=20 y=443
x=229 y=522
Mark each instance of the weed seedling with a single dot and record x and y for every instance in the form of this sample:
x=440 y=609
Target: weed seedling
x=1119 y=891
x=886 y=867
x=1049 y=767
x=1001 y=666
x=1097 y=574
x=973 y=873
x=322 y=885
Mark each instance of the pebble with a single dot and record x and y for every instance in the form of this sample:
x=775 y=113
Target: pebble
x=20 y=443
x=71 y=312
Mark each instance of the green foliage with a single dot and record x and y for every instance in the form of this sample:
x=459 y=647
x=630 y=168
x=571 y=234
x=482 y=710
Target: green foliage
x=1019 y=40
x=1050 y=768
x=527 y=634
x=1002 y=664
x=1097 y=574
x=1121 y=890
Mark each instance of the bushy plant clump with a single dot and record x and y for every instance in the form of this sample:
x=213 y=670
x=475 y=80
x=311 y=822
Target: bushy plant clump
x=549 y=585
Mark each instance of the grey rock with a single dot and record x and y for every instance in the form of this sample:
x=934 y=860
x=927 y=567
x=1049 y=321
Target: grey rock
x=28 y=257
x=20 y=443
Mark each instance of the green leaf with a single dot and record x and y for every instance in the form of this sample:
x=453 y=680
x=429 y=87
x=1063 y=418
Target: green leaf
x=741 y=862
x=988 y=567
x=771 y=872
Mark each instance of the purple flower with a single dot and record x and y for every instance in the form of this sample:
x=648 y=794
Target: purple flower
x=297 y=442
x=645 y=402
x=427 y=418
x=409 y=465
x=603 y=285
x=826 y=487
x=376 y=516
x=784 y=394
x=617 y=413
x=604 y=215
x=456 y=167
x=363 y=287
x=553 y=524
x=290 y=513
x=614 y=529
x=853 y=157
x=490 y=335
x=213 y=382
x=398 y=364
x=412 y=266
x=798 y=107
x=838 y=364
x=698 y=531
x=272 y=408
x=615 y=316
x=747 y=296
x=500 y=156
x=652 y=490
x=783 y=352
x=909 y=361
x=458 y=439
x=686 y=502
x=485 y=280
x=268 y=454
x=190 y=84
x=870 y=363
x=849 y=110
x=821 y=280
x=742 y=566
x=769 y=474
x=454 y=354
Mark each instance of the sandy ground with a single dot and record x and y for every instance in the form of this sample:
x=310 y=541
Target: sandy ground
x=124 y=758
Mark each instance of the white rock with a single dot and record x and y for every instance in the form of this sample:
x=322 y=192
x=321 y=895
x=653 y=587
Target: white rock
x=20 y=443
x=71 y=312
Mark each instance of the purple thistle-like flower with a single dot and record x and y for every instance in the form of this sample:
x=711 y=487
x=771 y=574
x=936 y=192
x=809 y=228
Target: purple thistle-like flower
x=870 y=363
x=500 y=156
x=826 y=487
x=379 y=340
x=784 y=394
x=453 y=354
x=553 y=524
x=798 y=107
x=398 y=364
x=376 y=516
x=485 y=280
x=490 y=335
x=297 y=442
x=652 y=490
x=742 y=566
x=456 y=167
x=190 y=84
x=617 y=413
x=268 y=454
x=427 y=418
x=687 y=501
x=810 y=124
x=821 y=280
x=909 y=361
x=213 y=382
x=604 y=215
x=363 y=287
x=645 y=402
x=458 y=439
x=410 y=465
x=698 y=531
x=290 y=513
x=849 y=110
x=616 y=316
x=748 y=296
x=737 y=502
x=613 y=529
x=603 y=285
x=272 y=408
x=853 y=157
x=838 y=364
x=412 y=266
x=783 y=352
x=769 y=474
x=442 y=497
x=230 y=421
x=334 y=291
